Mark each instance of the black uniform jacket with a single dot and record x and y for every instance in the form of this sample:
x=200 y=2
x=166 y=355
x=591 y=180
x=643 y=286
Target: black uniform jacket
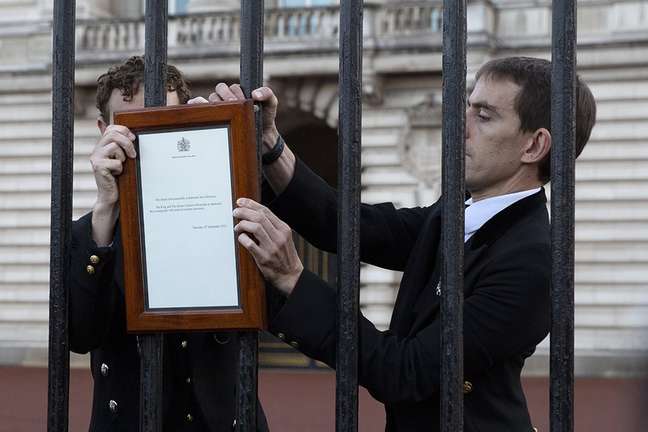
x=200 y=369
x=506 y=310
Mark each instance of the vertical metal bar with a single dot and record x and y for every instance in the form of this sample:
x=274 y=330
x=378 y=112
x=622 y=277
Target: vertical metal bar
x=251 y=71
x=155 y=52
x=563 y=130
x=61 y=212
x=151 y=357
x=454 y=110
x=348 y=235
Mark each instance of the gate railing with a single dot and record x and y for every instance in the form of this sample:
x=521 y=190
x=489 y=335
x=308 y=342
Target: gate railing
x=350 y=33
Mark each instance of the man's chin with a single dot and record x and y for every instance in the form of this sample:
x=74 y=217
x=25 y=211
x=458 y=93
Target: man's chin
x=468 y=183
x=471 y=185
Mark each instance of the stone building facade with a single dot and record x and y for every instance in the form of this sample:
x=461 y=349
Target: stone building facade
x=400 y=139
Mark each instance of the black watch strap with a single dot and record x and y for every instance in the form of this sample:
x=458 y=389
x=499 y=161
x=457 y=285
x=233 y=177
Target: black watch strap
x=275 y=153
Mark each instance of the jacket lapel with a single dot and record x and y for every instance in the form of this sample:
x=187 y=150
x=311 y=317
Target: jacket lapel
x=417 y=273
x=427 y=305
x=502 y=221
x=429 y=302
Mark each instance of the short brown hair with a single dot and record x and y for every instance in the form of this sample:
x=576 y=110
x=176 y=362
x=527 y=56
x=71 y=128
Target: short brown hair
x=128 y=76
x=533 y=102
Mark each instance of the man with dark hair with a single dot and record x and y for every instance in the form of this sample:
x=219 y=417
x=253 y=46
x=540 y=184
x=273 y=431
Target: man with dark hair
x=507 y=268
x=200 y=369
x=533 y=102
x=127 y=78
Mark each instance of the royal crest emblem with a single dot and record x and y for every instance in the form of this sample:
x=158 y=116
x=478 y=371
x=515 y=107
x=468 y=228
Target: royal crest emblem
x=184 y=145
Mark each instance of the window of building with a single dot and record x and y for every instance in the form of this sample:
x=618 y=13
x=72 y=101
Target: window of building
x=178 y=7
x=305 y=3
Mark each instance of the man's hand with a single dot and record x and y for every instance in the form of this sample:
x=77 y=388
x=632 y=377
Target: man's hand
x=107 y=160
x=197 y=101
x=265 y=95
x=269 y=240
x=281 y=171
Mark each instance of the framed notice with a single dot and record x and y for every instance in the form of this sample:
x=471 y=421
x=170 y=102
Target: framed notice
x=183 y=268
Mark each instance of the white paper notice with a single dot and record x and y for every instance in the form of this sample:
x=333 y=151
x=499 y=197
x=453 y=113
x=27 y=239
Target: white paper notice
x=187 y=213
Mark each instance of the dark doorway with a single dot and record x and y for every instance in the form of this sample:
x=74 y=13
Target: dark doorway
x=314 y=142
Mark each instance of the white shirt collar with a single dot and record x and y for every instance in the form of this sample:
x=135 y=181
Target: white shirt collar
x=477 y=214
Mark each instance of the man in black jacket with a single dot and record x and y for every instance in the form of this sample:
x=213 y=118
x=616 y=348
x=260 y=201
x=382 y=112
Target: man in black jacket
x=200 y=369
x=507 y=256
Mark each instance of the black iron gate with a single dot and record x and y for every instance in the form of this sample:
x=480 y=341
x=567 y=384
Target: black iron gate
x=454 y=90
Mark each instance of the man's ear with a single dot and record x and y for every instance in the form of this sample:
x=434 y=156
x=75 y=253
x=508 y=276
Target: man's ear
x=537 y=147
x=101 y=124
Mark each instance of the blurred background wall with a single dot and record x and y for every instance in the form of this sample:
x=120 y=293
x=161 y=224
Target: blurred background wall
x=400 y=141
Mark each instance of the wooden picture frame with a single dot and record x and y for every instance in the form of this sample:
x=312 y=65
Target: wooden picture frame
x=179 y=248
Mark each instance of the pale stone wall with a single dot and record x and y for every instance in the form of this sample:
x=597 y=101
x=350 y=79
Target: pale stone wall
x=611 y=219
x=400 y=130
x=386 y=179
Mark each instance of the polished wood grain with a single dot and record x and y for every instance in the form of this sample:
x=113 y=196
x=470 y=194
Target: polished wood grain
x=244 y=166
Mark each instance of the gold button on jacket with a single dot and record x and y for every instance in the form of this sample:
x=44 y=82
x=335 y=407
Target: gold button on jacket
x=94 y=259
x=468 y=387
x=90 y=269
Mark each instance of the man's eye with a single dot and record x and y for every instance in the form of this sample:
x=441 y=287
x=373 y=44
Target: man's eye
x=483 y=117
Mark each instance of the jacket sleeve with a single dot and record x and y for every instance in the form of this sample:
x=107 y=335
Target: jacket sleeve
x=94 y=297
x=507 y=314
x=309 y=206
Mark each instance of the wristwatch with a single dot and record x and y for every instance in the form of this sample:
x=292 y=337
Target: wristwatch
x=274 y=154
